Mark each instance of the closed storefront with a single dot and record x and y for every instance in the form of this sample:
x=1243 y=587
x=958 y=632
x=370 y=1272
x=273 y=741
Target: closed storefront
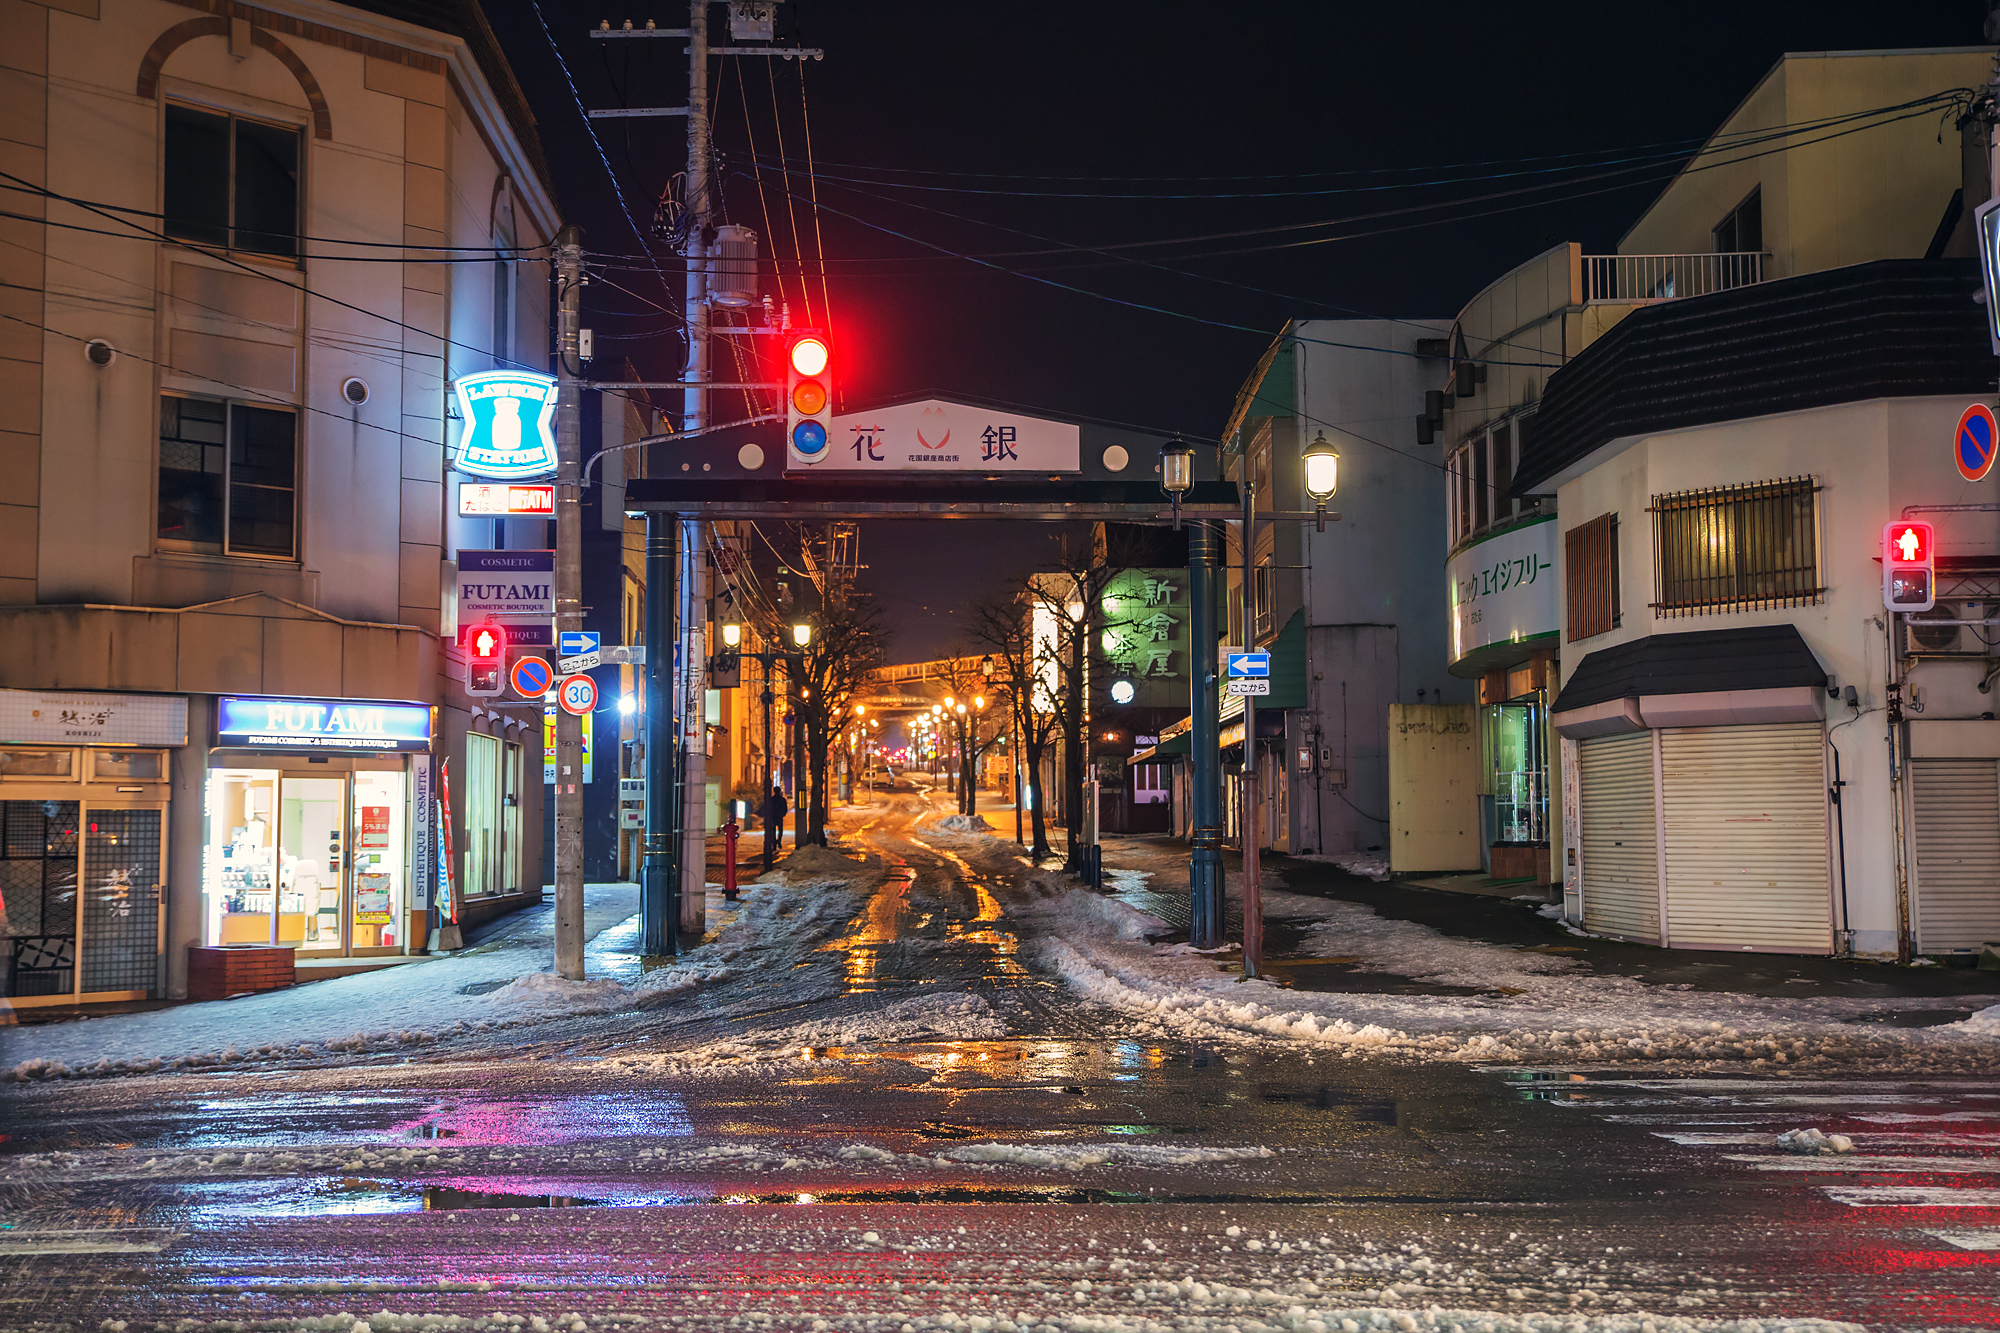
x=1955 y=827
x=1620 y=844
x=83 y=819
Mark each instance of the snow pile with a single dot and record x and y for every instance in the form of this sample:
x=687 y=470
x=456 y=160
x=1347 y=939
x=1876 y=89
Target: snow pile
x=1072 y=913
x=816 y=860
x=1985 y=1023
x=1812 y=1143
x=956 y=823
x=548 y=992
x=953 y=1017
x=1367 y=865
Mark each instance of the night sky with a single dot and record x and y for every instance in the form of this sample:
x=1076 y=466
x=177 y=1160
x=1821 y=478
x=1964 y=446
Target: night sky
x=1462 y=139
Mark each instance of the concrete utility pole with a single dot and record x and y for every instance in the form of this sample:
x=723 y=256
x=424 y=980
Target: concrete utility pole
x=1205 y=864
x=569 y=600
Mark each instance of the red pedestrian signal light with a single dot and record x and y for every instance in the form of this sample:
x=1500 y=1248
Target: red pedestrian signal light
x=808 y=398
x=1909 y=566
x=486 y=661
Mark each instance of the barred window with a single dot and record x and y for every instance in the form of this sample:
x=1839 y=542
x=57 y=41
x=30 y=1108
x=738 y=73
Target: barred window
x=1737 y=548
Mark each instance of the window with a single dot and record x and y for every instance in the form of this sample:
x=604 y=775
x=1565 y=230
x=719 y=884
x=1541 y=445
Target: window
x=1261 y=594
x=228 y=477
x=1462 y=465
x=1743 y=230
x=1503 y=471
x=1737 y=547
x=1590 y=577
x=1482 y=492
x=483 y=854
x=232 y=182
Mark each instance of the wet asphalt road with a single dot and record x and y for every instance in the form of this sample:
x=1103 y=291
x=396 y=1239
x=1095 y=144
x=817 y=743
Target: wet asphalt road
x=1026 y=1159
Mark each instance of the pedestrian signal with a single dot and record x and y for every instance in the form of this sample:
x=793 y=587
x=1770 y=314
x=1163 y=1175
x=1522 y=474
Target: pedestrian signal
x=1909 y=566
x=808 y=397
x=485 y=661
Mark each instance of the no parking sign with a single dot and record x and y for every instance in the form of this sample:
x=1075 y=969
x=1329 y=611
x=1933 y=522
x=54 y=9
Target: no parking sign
x=1974 y=444
x=578 y=694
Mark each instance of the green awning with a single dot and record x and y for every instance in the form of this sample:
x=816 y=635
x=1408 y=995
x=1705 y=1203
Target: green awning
x=1166 y=749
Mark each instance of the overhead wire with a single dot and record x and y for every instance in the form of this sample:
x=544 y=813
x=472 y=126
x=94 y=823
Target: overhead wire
x=777 y=123
x=812 y=181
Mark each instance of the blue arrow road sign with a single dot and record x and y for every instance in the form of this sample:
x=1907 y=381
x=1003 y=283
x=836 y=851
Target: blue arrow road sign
x=1249 y=664
x=576 y=643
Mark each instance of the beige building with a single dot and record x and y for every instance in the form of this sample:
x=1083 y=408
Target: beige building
x=263 y=247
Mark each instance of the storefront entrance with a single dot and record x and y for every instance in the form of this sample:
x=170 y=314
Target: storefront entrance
x=311 y=854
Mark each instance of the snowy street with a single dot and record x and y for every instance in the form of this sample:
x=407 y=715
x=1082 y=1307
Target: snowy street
x=917 y=1084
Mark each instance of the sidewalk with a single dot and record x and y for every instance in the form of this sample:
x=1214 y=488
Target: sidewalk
x=1149 y=872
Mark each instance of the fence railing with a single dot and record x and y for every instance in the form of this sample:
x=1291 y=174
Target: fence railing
x=1641 y=279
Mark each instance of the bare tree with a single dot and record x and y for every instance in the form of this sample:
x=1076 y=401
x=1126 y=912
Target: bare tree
x=971 y=697
x=1001 y=624
x=847 y=643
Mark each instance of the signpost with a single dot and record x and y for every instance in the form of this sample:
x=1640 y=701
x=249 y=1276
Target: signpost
x=532 y=677
x=578 y=695
x=1248 y=673
x=1974 y=443
x=577 y=643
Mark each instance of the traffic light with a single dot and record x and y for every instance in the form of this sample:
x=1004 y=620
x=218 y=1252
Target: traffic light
x=1909 y=566
x=808 y=397
x=486 y=661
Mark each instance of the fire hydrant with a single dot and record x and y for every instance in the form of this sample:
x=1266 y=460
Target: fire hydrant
x=729 y=832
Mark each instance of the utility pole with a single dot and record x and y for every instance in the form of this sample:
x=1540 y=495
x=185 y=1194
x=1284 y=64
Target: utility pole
x=1205 y=863
x=569 y=600
x=1253 y=888
x=659 y=882
x=693 y=640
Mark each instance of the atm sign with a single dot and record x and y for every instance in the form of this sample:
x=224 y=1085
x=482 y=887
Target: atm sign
x=477 y=498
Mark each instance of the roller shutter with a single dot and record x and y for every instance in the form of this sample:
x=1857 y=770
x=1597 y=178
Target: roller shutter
x=1744 y=822
x=1957 y=826
x=1621 y=885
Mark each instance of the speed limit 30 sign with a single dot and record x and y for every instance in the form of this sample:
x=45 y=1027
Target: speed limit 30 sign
x=578 y=694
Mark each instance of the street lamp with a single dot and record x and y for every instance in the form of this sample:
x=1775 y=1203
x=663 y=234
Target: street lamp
x=1177 y=474
x=732 y=634
x=802 y=634
x=986 y=666
x=1322 y=462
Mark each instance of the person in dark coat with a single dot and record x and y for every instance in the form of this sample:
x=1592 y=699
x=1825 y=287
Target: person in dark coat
x=773 y=812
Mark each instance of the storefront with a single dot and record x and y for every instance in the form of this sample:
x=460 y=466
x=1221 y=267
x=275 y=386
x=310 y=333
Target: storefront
x=315 y=833
x=84 y=783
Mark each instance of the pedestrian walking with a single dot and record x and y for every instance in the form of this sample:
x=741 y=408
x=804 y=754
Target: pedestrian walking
x=773 y=810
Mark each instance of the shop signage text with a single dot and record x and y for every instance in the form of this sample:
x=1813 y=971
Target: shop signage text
x=477 y=497
x=939 y=436
x=322 y=724
x=506 y=586
x=33 y=717
x=508 y=418
x=1503 y=589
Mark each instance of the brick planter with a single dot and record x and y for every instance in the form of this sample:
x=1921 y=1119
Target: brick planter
x=216 y=972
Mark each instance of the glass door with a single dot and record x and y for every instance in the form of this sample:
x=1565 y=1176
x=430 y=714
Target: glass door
x=240 y=869
x=379 y=865
x=38 y=916
x=312 y=846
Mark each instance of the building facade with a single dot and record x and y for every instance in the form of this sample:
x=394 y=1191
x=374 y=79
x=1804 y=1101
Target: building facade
x=265 y=241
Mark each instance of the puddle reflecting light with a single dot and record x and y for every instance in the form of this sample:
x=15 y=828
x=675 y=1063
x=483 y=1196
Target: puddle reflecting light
x=807 y=1198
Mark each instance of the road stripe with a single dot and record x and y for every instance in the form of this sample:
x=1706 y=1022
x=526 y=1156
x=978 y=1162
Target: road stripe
x=1969 y=1240
x=1974 y=1166
x=1910 y=1196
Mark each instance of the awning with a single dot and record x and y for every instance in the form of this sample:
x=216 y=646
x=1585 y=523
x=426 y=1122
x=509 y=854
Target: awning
x=1705 y=678
x=1167 y=749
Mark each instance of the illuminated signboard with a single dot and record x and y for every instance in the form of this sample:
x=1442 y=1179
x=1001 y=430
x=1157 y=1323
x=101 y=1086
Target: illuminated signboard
x=478 y=497
x=322 y=724
x=509 y=416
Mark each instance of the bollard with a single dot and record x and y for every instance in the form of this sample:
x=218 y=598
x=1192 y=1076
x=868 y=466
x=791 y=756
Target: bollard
x=729 y=832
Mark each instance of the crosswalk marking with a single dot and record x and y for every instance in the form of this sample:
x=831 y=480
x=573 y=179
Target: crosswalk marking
x=1860 y=1162
x=1911 y=1196
x=1969 y=1240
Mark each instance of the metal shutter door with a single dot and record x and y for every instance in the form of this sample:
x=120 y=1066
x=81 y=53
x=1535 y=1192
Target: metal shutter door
x=1621 y=867
x=1957 y=826
x=1744 y=820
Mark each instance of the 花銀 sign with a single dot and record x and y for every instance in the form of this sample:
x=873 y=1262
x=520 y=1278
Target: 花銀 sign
x=934 y=435
x=509 y=417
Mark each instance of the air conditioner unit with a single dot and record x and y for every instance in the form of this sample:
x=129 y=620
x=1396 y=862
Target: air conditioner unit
x=1948 y=638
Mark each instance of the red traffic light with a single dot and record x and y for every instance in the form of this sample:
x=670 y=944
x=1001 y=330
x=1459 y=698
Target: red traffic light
x=1908 y=543
x=488 y=642
x=809 y=356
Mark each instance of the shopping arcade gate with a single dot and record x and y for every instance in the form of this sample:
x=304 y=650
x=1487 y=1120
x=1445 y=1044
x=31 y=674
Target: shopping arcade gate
x=743 y=473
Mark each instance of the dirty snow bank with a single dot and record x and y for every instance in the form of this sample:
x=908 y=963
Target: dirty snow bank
x=1813 y=1143
x=957 y=823
x=1367 y=865
x=1525 y=1007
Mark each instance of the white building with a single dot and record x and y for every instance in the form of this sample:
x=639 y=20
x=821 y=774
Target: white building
x=264 y=249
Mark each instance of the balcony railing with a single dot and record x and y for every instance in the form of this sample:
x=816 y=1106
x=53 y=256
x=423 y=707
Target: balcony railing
x=1643 y=279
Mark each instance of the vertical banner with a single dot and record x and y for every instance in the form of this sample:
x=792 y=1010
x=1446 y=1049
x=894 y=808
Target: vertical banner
x=1572 y=834
x=549 y=744
x=423 y=835
x=447 y=899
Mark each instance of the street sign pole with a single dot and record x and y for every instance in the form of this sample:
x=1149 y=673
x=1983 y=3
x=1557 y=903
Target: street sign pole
x=1205 y=756
x=660 y=877
x=1253 y=888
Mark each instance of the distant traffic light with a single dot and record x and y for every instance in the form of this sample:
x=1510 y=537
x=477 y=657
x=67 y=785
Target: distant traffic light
x=1909 y=566
x=808 y=396
x=486 y=661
